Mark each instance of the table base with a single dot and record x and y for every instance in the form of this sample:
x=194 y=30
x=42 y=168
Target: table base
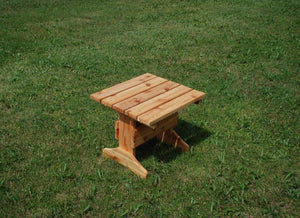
x=131 y=134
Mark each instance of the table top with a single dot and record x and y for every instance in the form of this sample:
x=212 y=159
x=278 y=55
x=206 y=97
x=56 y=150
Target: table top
x=148 y=98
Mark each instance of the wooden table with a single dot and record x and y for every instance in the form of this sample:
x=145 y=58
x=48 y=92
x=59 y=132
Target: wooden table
x=147 y=107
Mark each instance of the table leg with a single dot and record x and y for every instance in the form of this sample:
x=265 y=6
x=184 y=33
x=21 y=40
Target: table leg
x=131 y=134
x=170 y=137
x=125 y=153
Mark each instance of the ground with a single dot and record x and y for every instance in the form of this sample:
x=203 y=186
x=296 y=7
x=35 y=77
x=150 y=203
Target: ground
x=244 y=137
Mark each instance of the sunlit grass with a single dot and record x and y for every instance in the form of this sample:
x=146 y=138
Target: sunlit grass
x=244 y=137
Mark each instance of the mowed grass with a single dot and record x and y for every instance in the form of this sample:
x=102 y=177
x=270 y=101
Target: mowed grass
x=244 y=137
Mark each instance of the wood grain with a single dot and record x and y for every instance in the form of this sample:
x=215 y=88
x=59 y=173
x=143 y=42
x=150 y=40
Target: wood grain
x=126 y=131
x=144 y=96
x=164 y=110
x=170 y=137
x=98 y=96
x=142 y=108
x=126 y=159
x=111 y=100
x=144 y=133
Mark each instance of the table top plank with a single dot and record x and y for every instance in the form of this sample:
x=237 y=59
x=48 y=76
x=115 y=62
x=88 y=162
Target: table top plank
x=144 y=96
x=148 y=98
x=125 y=94
x=139 y=109
x=164 y=110
x=98 y=96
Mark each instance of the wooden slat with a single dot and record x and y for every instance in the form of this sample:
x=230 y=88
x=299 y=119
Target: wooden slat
x=110 y=101
x=98 y=96
x=144 y=96
x=139 y=109
x=158 y=113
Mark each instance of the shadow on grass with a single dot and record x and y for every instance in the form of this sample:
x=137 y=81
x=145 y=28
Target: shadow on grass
x=190 y=133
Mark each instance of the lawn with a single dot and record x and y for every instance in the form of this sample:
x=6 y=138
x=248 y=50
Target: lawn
x=244 y=137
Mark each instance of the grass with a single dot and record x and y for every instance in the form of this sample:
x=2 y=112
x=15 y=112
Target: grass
x=244 y=137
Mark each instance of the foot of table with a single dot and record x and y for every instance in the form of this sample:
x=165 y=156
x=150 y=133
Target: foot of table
x=125 y=130
x=126 y=159
x=170 y=137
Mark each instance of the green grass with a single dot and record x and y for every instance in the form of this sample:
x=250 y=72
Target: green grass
x=244 y=137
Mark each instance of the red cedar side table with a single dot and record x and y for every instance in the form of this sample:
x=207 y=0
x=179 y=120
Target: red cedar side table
x=147 y=107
